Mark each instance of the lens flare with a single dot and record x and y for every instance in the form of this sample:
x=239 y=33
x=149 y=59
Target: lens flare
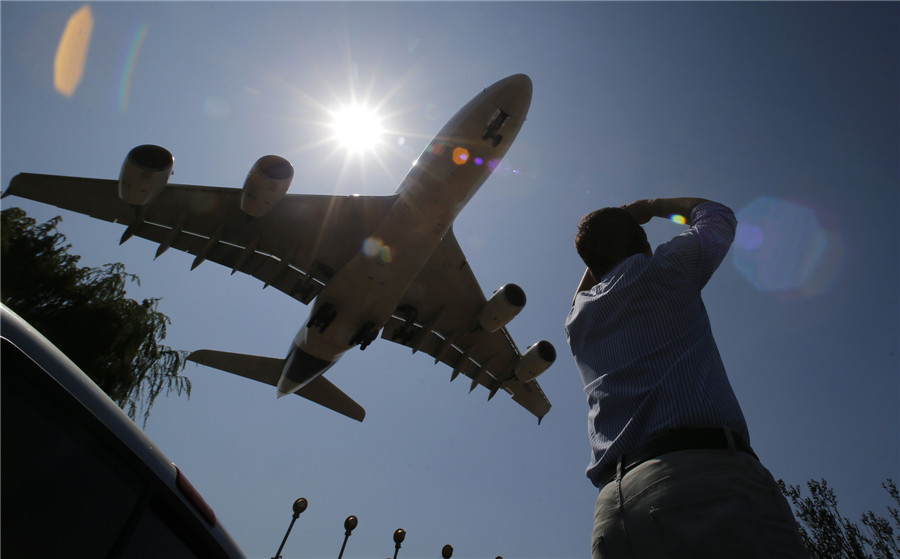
x=373 y=247
x=782 y=247
x=130 y=63
x=387 y=254
x=215 y=107
x=679 y=219
x=748 y=237
x=71 y=54
x=437 y=148
x=460 y=155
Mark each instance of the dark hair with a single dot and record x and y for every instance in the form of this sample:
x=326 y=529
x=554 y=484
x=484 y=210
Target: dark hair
x=607 y=236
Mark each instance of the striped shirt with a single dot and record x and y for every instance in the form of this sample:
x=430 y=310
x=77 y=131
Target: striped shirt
x=642 y=341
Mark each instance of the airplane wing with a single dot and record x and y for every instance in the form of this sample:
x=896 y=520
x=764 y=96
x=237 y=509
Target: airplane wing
x=296 y=248
x=438 y=316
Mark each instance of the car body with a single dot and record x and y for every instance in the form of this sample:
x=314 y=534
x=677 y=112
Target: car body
x=79 y=478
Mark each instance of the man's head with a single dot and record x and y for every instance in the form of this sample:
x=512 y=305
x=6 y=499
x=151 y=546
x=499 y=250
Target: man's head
x=607 y=236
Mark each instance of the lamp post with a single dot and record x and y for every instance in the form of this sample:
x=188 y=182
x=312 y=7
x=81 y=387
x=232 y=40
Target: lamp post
x=349 y=525
x=399 y=536
x=299 y=506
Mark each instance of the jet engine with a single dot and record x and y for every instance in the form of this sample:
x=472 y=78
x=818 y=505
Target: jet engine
x=144 y=174
x=266 y=184
x=535 y=361
x=502 y=307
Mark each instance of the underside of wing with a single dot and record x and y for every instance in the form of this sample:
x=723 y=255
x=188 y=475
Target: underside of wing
x=439 y=316
x=296 y=247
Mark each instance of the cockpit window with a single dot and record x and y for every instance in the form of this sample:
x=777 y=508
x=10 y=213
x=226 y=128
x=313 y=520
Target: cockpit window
x=495 y=123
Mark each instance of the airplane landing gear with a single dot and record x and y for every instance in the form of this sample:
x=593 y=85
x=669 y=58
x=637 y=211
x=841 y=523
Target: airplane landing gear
x=366 y=334
x=323 y=317
x=405 y=333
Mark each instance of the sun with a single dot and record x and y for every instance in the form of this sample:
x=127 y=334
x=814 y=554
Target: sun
x=357 y=128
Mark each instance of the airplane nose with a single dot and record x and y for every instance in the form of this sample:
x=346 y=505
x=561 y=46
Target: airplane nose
x=521 y=82
x=513 y=94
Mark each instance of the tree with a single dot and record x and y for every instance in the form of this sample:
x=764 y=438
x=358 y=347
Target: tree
x=828 y=535
x=85 y=313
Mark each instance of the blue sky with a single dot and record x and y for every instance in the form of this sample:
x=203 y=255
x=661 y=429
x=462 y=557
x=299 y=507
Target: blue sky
x=787 y=113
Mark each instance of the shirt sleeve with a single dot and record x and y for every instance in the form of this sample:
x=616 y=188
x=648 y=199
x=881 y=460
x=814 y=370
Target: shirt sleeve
x=700 y=249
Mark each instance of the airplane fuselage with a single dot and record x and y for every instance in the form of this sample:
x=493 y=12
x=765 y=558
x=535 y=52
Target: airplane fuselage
x=361 y=297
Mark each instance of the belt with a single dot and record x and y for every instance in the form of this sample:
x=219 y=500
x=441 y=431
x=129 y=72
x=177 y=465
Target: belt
x=702 y=438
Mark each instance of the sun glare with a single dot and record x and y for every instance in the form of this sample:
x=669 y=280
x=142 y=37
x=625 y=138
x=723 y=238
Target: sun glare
x=357 y=128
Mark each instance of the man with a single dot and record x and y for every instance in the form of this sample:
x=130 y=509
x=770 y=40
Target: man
x=671 y=450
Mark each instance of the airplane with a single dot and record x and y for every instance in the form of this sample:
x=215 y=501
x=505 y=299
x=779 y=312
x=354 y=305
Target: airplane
x=388 y=264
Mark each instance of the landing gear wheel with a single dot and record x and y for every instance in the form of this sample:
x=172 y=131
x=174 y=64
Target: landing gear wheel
x=366 y=334
x=323 y=317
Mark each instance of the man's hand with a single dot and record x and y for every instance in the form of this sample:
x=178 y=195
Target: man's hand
x=642 y=210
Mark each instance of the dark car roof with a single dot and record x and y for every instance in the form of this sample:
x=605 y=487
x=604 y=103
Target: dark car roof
x=80 y=394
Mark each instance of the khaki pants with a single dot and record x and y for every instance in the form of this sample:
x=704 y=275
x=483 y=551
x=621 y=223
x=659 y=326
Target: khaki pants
x=695 y=504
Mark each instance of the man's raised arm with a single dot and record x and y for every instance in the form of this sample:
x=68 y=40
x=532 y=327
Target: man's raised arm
x=644 y=210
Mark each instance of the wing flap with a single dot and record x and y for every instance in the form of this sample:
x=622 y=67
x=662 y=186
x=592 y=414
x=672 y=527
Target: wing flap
x=265 y=267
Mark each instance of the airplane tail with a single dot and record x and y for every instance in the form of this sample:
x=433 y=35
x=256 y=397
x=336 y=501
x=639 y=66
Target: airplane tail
x=268 y=371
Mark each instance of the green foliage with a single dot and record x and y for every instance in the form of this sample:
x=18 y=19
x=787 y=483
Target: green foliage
x=828 y=535
x=85 y=312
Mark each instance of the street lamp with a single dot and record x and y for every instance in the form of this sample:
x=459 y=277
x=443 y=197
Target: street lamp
x=399 y=535
x=349 y=525
x=299 y=506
